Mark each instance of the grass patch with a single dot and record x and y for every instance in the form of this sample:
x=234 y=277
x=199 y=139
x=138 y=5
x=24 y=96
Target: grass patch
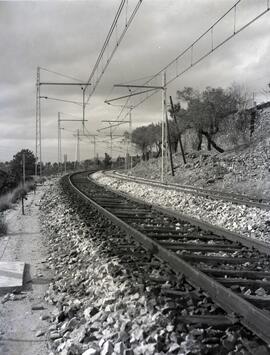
x=7 y=200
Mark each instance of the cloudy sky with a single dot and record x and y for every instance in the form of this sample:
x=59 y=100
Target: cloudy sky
x=66 y=37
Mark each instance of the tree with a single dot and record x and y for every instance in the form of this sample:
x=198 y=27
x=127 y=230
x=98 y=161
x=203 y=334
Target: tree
x=16 y=164
x=127 y=136
x=88 y=164
x=179 y=127
x=97 y=162
x=155 y=136
x=140 y=138
x=206 y=111
x=107 y=161
x=120 y=162
x=148 y=139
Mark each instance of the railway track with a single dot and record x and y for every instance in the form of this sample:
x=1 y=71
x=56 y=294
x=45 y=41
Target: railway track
x=231 y=269
x=213 y=194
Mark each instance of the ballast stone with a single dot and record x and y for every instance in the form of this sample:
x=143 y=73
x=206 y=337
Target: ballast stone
x=97 y=296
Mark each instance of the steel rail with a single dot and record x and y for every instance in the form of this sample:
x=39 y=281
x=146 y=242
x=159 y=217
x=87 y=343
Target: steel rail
x=213 y=194
x=250 y=316
x=251 y=243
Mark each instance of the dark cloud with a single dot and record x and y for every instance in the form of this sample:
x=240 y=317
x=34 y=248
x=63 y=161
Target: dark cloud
x=67 y=36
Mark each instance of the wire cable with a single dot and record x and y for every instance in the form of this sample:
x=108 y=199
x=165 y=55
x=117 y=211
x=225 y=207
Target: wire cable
x=70 y=115
x=191 y=46
x=106 y=40
x=94 y=85
x=56 y=99
x=60 y=74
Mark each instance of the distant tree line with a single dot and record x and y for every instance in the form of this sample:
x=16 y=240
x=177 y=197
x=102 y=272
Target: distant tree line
x=11 y=172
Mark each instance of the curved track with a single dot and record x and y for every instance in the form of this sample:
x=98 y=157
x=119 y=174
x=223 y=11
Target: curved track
x=213 y=194
x=230 y=270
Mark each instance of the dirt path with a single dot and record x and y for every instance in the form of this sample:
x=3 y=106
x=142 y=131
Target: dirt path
x=20 y=320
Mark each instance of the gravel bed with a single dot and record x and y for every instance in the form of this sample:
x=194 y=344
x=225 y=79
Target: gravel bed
x=248 y=221
x=109 y=292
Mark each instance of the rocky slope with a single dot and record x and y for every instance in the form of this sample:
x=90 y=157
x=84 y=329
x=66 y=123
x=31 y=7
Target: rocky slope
x=242 y=170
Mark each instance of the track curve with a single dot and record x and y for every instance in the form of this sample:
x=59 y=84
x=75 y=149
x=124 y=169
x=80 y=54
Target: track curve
x=231 y=273
x=213 y=194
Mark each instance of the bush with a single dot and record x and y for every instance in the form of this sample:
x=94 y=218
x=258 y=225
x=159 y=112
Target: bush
x=8 y=199
x=18 y=193
x=6 y=202
x=3 y=226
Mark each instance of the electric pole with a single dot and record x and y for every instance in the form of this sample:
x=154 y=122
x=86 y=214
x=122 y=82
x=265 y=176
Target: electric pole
x=38 y=127
x=130 y=134
x=59 y=142
x=23 y=181
x=78 y=147
x=147 y=89
x=60 y=135
x=94 y=138
x=83 y=107
x=90 y=136
x=178 y=131
x=38 y=112
x=111 y=139
x=127 y=140
x=23 y=168
x=169 y=144
x=65 y=163
x=163 y=129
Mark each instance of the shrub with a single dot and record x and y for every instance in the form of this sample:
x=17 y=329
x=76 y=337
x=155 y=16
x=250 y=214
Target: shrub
x=3 y=226
x=8 y=199
x=6 y=202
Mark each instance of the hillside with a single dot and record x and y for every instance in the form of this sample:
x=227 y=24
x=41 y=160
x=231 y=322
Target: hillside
x=3 y=178
x=243 y=169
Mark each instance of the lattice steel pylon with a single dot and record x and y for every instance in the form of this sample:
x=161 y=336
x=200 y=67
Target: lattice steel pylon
x=38 y=127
